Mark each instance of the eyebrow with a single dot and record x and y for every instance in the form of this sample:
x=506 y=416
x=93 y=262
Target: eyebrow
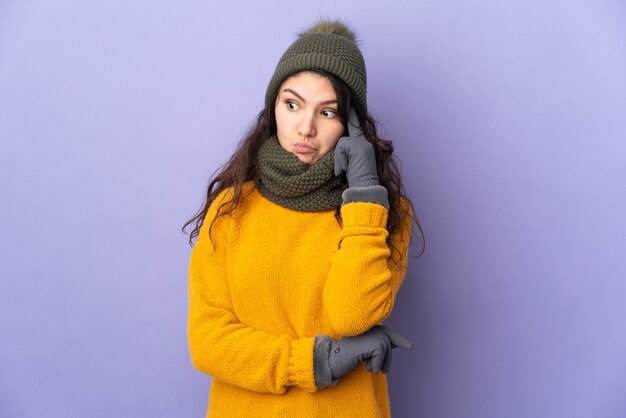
x=304 y=101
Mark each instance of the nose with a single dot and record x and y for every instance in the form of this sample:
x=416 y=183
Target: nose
x=306 y=126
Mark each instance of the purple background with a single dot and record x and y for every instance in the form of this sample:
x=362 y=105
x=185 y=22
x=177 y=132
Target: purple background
x=509 y=117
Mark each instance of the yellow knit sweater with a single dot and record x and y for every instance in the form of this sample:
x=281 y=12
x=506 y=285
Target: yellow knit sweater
x=266 y=282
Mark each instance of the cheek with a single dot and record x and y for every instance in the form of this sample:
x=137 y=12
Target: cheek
x=281 y=129
x=283 y=122
x=330 y=145
x=334 y=135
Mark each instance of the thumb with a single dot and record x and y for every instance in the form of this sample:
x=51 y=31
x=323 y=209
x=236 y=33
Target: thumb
x=341 y=157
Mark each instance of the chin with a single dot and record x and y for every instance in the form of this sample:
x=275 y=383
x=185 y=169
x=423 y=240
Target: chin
x=306 y=159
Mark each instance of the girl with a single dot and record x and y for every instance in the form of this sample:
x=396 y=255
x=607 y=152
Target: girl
x=302 y=246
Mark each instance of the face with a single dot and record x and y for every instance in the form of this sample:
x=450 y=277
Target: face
x=307 y=121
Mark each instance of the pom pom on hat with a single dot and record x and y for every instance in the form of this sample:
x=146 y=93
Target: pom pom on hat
x=335 y=26
x=329 y=45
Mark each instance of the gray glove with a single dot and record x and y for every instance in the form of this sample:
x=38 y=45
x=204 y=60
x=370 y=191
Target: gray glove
x=334 y=359
x=355 y=155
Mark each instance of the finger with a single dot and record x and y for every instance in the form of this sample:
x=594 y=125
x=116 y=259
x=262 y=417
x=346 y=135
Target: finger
x=341 y=158
x=368 y=364
x=354 y=127
x=397 y=340
x=379 y=357
x=387 y=362
x=377 y=362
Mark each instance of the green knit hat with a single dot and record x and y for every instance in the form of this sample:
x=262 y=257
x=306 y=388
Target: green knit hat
x=329 y=45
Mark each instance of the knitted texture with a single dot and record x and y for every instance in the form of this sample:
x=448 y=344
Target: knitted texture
x=266 y=283
x=287 y=181
x=318 y=49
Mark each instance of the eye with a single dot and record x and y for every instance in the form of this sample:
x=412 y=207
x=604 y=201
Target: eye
x=329 y=113
x=291 y=105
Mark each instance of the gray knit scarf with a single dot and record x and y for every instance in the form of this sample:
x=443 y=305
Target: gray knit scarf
x=290 y=183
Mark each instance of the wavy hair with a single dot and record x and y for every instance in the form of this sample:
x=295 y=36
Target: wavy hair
x=242 y=166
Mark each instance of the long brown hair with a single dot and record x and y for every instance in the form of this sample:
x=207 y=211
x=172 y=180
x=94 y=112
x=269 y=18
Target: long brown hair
x=242 y=166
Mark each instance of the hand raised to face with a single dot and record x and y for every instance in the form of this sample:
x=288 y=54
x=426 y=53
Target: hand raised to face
x=355 y=156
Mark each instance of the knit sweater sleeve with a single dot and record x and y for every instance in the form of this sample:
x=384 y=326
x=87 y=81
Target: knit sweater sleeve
x=364 y=278
x=223 y=347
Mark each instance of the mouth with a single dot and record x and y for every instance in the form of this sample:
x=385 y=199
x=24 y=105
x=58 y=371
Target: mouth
x=302 y=148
